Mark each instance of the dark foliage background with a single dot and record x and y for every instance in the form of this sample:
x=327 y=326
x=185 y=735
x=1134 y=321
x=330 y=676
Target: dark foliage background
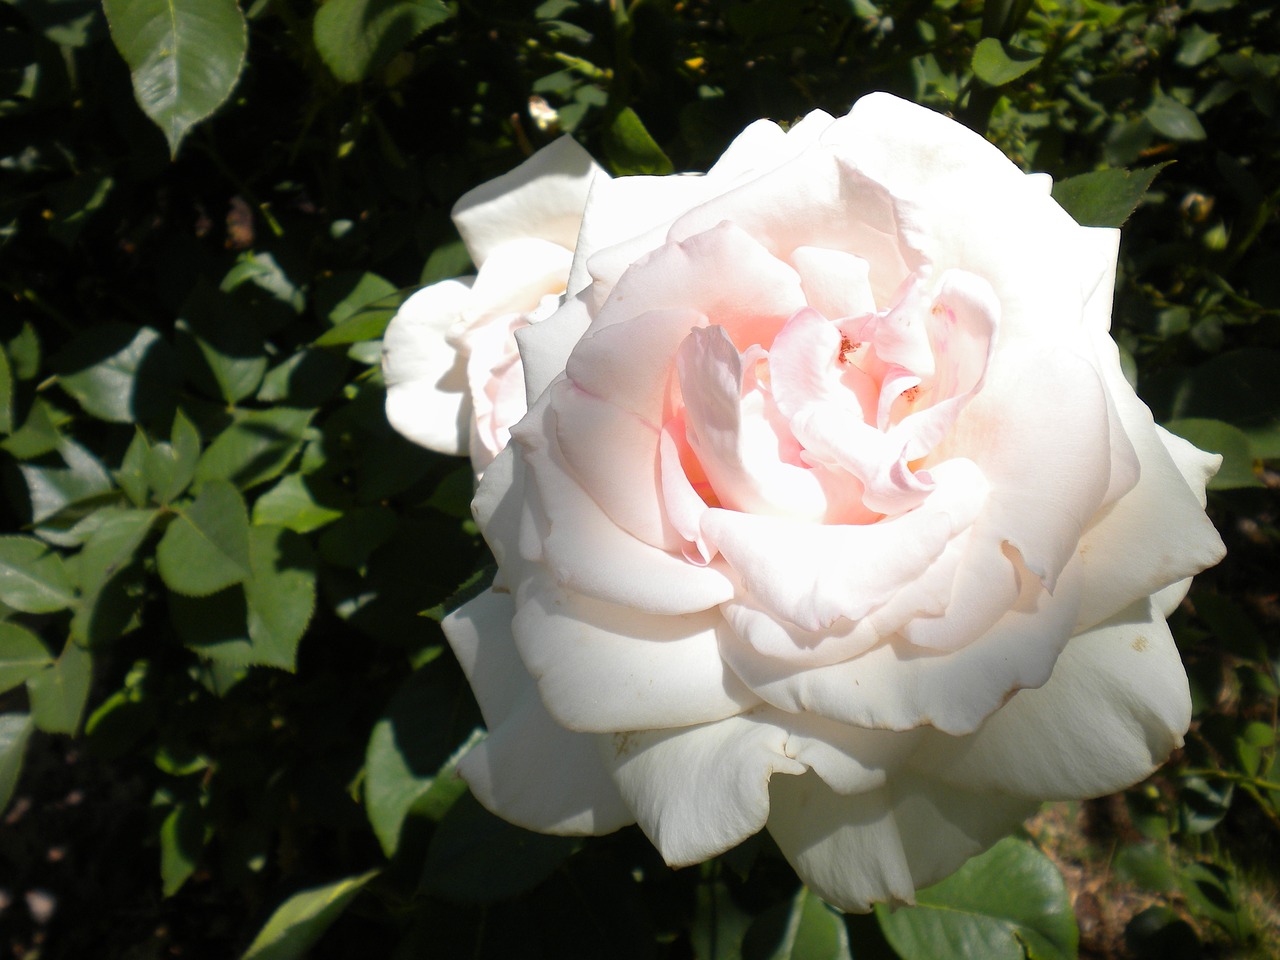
x=223 y=713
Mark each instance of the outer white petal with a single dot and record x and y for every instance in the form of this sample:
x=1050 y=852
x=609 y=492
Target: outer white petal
x=698 y=791
x=1116 y=706
x=885 y=844
x=542 y=198
x=605 y=668
x=525 y=745
x=426 y=376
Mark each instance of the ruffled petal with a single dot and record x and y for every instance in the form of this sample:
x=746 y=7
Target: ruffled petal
x=541 y=198
x=1116 y=706
x=426 y=376
x=524 y=744
x=699 y=791
x=606 y=668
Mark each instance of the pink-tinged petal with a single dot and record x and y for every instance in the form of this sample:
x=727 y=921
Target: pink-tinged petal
x=805 y=369
x=1164 y=514
x=648 y=341
x=723 y=274
x=813 y=574
x=1116 y=706
x=614 y=455
x=603 y=668
x=896 y=686
x=699 y=791
x=1043 y=495
x=515 y=279
x=682 y=502
x=900 y=336
x=805 y=203
x=426 y=376
x=542 y=198
x=883 y=845
x=835 y=283
x=588 y=553
x=495 y=379
x=735 y=444
x=545 y=347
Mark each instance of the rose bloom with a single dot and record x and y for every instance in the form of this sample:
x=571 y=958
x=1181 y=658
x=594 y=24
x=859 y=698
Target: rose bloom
x=454 y=380
x=832 y=515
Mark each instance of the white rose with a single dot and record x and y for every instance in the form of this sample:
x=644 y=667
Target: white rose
x=834 y=516
x=454 y=380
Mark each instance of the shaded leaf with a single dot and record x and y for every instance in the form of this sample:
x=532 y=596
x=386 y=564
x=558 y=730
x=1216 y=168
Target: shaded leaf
x=996 y=66
x=1105 y=198
x=170 y=467
x=1009 y=903
x=280 y=592
x=185 y=57
x=1218 y=437
x=103 y=569
x=182 y=836
x=1175 y=120
x=290 y=504
x=15 y=731
x=355 y=37
x=59 y=693
x=256 y=447
x=32 y=577
x=631 y=149
x=22 y=655
x=799 y=929
x=302 y=919
x=206 y=548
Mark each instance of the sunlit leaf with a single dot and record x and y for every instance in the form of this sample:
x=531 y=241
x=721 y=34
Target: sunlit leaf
x=22 y=655
x=32 y=577
x=995 y=66
x=15 y=731
x=302 y=919
x=59 y=693
x=355 y=37
x=1105 y=198
x=206 y=547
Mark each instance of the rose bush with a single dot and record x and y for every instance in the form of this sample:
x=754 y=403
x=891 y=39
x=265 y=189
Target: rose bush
x=832 y=514
x=454 y=381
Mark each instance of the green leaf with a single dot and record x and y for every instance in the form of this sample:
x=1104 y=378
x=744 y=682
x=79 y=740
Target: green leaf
x=132 y=475
x=1240 y=387
x=37 y=436
x=6 y=394
x=798 y=929
x=1009 y=903
x=996 y=66
x=302 y=919
x=631 y=149
x=182 y=838
x=32 y=577
x=15 y=731
x=106 y=573
x=281 y=594
x=22 y=655
x=54 y=489
x=206 y=548
x=406 y=751
x=1175 y=120
x=185 y=57
x=1215 y=436
x=170 y=467
x=363 y=314
x=58 y=694
x=291 y=504
x=256 y=447
x=356 y=37
x=719 y=923
x=476 y=858
x=220 y=345
x=1105 y=198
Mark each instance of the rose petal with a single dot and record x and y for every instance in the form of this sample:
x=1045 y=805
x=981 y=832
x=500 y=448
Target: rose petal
x=542 y=198
x=426 y=376
x=605 y=668
x=1116 y=706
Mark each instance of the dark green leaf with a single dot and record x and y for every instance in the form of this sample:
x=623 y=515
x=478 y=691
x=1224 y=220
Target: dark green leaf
x=256 y=447
x=630 y=148
x=104 y=569
x=476 y=858
x=302 y=919
x=280 y=592
x=220 y=345
x=996 y=66
x=355 y=37
x=22 y=655
x=15 y=731
x=37 y=436
x=1105 y=198
x=291 y=504
x=58 y=694
x=1175 y=120
x=132 y=475
x=1218 y=437
x=185 y=57
x=799 y=929
x=170 y=467
x=182 y=837
x=53 y=489
x=6 y=394
x=1240 y=387
x=206 y=548
x=1007 y=904
x=32 y=577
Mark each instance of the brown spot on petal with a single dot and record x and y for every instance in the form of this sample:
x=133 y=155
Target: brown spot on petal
x=1140 y=644
x=621 y=745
